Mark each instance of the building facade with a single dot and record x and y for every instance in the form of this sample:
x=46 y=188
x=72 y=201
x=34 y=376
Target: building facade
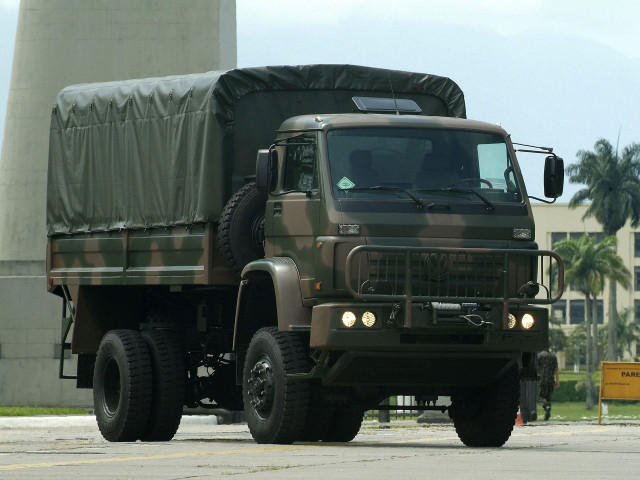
x=558 y=222
x=59 y=43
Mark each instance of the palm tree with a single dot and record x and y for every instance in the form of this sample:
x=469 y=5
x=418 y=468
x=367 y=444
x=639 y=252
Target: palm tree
x=587 y=266
x=628 y=332
x=575 y=344
x=613 y=187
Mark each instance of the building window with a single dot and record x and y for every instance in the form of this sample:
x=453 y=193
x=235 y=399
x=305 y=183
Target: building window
x=636 y=244
x=557 y=236
x=600 y=317
x=576 y=235
x=559 y=311
x=576 y=312
x=597 y=236
x=637 y=278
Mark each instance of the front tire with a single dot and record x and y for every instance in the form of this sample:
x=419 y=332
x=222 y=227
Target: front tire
x=122 y=386
x=275 y=406
x=485 y=417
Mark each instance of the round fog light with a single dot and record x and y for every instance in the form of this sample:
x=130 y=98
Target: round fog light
x=369 y=319
x=511 y=321
x=527 y=321
x=349 y=319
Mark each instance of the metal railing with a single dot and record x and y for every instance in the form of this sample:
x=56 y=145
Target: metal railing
x=404 y=413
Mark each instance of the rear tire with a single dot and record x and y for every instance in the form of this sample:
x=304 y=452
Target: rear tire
x=319 y=414
x=122 y=386
x=344 y=425
x=168 y=386
x=275 y=406
x=485 y=417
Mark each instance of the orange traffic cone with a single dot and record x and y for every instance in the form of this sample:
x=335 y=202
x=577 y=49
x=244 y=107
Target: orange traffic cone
x=519 y=422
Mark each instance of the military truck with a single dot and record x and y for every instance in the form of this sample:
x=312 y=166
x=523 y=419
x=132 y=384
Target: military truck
x=298 y=242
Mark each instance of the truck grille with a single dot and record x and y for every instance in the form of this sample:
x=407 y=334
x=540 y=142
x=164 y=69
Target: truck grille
x=452 y=275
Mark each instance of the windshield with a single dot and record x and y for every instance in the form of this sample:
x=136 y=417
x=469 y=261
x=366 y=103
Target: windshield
x=428 y=163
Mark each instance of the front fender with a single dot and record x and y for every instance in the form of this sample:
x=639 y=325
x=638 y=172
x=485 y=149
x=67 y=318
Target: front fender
x=282 y=274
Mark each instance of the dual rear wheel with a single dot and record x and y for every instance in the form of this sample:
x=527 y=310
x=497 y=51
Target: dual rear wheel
x=138 y=386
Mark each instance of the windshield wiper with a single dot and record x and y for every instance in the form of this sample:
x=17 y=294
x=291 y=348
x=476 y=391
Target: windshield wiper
x=488 y=203
x=384 y=188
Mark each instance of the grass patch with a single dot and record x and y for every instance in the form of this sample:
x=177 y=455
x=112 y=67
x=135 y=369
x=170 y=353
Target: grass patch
x=35 y=411
x=581 y=376
x=575 y=411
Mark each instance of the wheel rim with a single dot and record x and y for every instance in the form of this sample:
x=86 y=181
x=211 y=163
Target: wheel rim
x=111 y=387
x=261 y=388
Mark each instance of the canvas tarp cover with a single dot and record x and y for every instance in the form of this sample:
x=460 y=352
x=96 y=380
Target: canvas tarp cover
x=171 y=151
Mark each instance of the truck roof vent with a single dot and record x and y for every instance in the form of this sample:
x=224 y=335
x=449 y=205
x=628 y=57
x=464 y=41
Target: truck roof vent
x=386 y=105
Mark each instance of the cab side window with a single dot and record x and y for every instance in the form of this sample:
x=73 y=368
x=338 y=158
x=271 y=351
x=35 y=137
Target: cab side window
x=300 y=173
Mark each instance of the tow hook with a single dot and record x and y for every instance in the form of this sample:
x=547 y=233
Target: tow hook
x=394 y=318
x=475 y=320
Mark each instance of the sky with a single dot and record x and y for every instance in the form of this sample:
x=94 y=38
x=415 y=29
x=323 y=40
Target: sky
x=554 y=73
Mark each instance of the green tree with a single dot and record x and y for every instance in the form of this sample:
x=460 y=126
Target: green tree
x=574 y=349
x=587 y=265
x=557 y=336
x=612 y=184
x=628 y=332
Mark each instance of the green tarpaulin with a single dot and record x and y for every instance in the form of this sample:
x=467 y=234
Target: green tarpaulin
x=171 y=151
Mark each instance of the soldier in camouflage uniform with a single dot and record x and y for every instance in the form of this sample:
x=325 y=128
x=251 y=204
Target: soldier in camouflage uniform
x=549 y=378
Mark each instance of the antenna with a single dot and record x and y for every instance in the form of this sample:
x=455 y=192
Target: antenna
x=395 y=102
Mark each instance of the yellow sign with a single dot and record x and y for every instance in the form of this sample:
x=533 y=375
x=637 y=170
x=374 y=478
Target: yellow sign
x=619 y=381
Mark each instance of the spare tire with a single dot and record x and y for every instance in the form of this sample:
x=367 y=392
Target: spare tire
x=241 y=228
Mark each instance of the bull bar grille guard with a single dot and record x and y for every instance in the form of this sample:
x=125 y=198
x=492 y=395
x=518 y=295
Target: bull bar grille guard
x=454 y=275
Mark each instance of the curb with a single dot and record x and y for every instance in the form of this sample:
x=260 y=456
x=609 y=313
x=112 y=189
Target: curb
x=66 y=421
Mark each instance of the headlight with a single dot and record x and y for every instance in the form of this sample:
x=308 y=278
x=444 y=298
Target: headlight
x=369 y=319
x=349 y=319
x=527 y=321
x=511 y=321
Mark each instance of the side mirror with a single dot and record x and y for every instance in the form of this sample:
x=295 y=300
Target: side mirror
x=266 y=170
x=553 y=176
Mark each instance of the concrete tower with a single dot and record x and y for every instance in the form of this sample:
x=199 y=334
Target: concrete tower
x=58 y=43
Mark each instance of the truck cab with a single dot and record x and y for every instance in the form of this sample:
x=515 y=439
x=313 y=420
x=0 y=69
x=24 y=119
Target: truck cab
x=410 y=242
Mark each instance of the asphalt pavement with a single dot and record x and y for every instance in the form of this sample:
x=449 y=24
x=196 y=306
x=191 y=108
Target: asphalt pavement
x=72 y=447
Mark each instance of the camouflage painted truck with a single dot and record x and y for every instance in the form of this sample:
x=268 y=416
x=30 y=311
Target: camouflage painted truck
x=299 y=242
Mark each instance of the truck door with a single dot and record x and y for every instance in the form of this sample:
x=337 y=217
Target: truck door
x=294 y=210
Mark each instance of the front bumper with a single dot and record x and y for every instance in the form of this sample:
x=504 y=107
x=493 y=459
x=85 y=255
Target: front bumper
x=430 y=331
x=442 y=352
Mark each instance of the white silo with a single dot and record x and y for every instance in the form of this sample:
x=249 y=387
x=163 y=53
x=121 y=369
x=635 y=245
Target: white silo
x=58 y=43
